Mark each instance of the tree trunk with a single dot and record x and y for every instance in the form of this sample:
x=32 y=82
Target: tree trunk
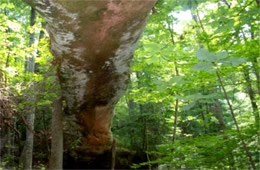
x=9 y=140
x=29 y=67
x=256 y=72
x=28 y=147
x=131 y=110
x=113 y=151
x=252 y=97
x=203 y=118
x=56 y=159
x=248 y=154
x=219 y=114
x=175 y=120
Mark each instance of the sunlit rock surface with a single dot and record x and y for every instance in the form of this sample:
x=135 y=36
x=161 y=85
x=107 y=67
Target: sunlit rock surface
x=93 y=42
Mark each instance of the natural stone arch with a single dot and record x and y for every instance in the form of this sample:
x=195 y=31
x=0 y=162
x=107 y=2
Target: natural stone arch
x=93 y=42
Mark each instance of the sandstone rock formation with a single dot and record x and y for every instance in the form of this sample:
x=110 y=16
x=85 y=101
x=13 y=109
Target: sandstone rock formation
x=93 y=42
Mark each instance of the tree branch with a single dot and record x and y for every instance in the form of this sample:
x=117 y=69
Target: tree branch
x=27 y=125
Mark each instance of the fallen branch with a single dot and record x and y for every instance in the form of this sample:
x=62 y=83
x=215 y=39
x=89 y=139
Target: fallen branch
x=27 y=125
x=7 y=123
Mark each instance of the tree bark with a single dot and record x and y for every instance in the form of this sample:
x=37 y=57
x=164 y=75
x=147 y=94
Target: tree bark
x=113 y=151
x=252 y=97
x=219 y=114
x=56 y=159
x=203 y=118
x=248 y=154
x=256 y=68
x=131 y=110
x=28 y=147
x=175 y=121
x=29 y=67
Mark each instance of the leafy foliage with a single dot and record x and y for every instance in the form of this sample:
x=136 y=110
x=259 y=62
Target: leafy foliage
x=172 y=64
x=175 y=112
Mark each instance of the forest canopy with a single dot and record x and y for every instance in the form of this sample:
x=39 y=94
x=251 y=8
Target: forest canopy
x=192 y=100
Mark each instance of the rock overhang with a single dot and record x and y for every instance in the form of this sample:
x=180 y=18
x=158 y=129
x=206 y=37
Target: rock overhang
x=94 y=42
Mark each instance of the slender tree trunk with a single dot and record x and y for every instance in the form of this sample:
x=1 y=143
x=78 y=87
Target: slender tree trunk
x=253 y=101
x=131 y=111
x=8 y=52
x=219 y=114
x=256 y=72
x=29 y=64
x=197 y=19
x=236 y=124
x=145 y=108
x=142 y=110
x=56 y=159
x=252 y=97
x=176 y=110
x=28 y=148
x=29 y=67
x=45 y=132
x=218 y=110
x=203 y=118
x=147 y=149
x=141 y=107
x=175 y=120
x=9 y=139
x=7 y=64
x=9 y=134
x=41 y=35
x=113 y=151
x=254 y=61
x=174 y=127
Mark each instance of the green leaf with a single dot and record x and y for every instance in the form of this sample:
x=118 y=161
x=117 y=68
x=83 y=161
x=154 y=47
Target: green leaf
x=221 y=55
x=205 y=55
x=203 y=66
x=153 y=47
x=177 y=80
x=236 y=61
x=188 y=106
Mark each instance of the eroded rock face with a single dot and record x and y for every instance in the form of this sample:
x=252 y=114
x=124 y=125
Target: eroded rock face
x=93 y=42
